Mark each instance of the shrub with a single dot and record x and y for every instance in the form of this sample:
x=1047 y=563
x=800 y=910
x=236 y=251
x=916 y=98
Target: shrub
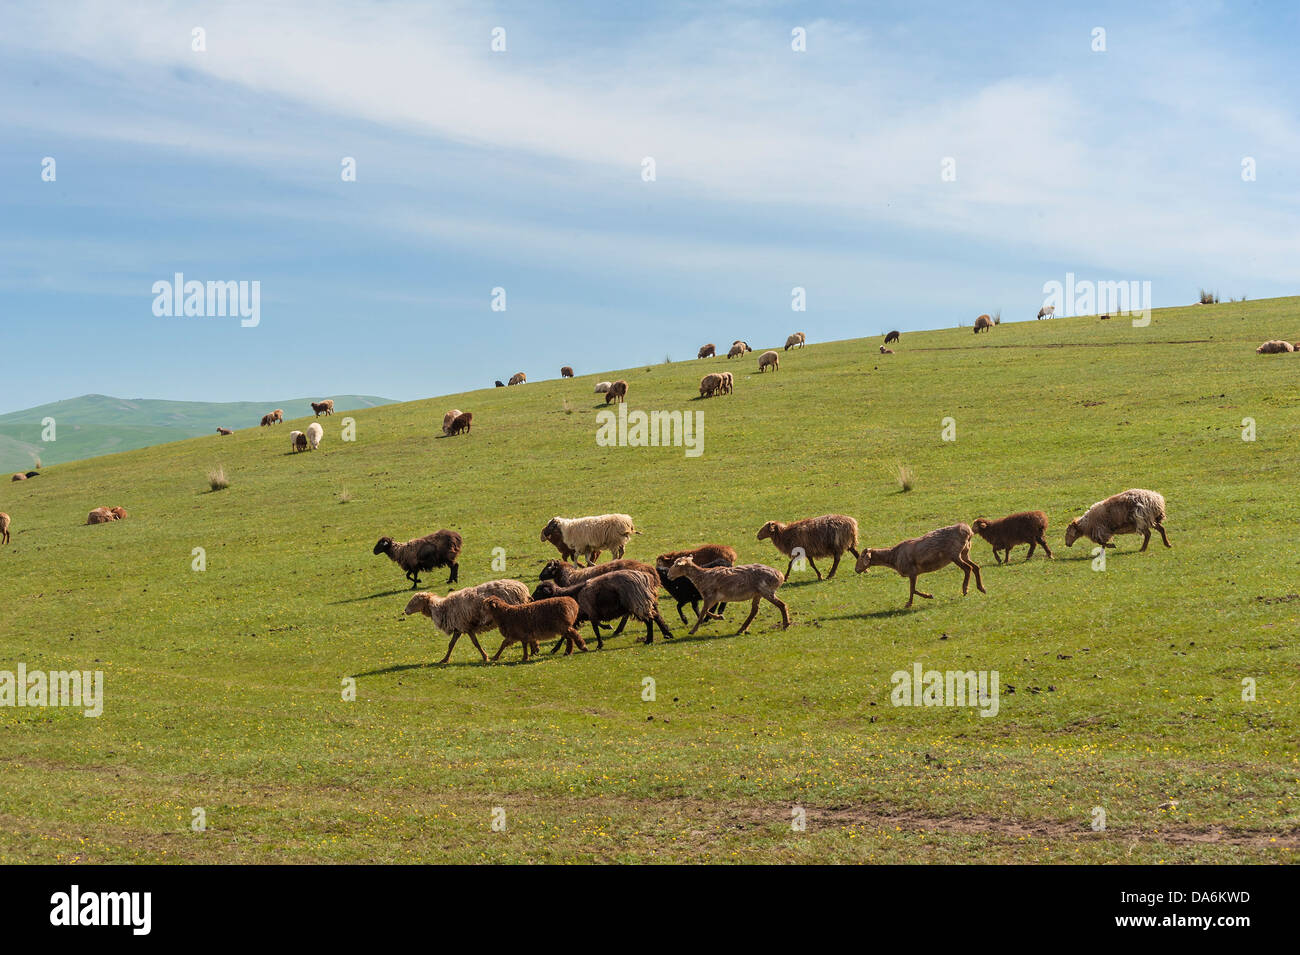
x=1209 y=298
x=905 y=477
x=217 y=479
x=997 y=317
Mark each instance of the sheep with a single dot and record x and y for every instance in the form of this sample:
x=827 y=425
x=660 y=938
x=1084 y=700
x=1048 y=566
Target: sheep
x=983 y=322
x=684 y=592
x=462 y=423
x=1049 y=311
x=18 y=477
x=738 y=349
x=567 y=575
x=4 y=527
x=620 y=593
x=1134 y=511
x=267 y=420
x=602 y=387
x=702 y=555
x=32 y=474
x=719 y=585
x=886 y=351
x=448 y=418
x=1025 y=527
x=500 y=383
x=1274 y=347
x=119 y=513
x=796 y=340
x=439 y=549
x=462 y=612
x=710 y=385
x=297 y=441
x=925 y=554
x=587 y=535
x=314 y=434
x=529 y=623
x=728 y=383
x=769 y=359
x=892 y=337
x=566 y=372
x=553 y=536
x=517 y=379
x=325 y=407
x=224 y=431
x=278 y=414
x=99 y=515
x=707 y=351
x=827 y=536
x=617 y=392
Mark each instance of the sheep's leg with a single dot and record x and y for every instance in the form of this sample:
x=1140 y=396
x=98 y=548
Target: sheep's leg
x=621 y=624
x=854 y=552
x=455 y=572
x=557 y=644
x=526 y=645
x=572 y=636
x=976 y=567
x=753 y=612
x=695 y=608
x=834 y=567
x=703 y=616
x=414 y=578
x=814 y=567
x=482 y=652
x=788 y=568
x=917 y=593
x=649 y=630
x=719 y=611
x=497 y=656
x=663 y=627
x=1032 y=545
x=1042 y=542
x=1160 y=527
x=455 y=635
x=600 y=642
x=1146 y=539
x=785 y=611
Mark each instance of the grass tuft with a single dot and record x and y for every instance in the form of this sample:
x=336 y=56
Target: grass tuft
x=217 y=479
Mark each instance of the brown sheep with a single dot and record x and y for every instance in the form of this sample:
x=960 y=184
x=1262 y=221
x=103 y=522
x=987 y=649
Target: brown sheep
x=439 y=549
x=119 y=513
x=325 y=407
x=517 y=379
x=622 y=593
x=268 y=420
x=1134 y=511
x=1274 y=347
x=711 y=385
x=704 y=554
x=738 y=349
x=707 y=351
x=460 y=424
x=566 y=372
x=769 y=359
x=224 y=431
x=278 y=414
x=297 y=441
x=925 y=554
x=4 y=527
x=100 y=515
x=1025 y=527
x=797 y=340
x=617 y=392
x=827 y=536
x=983 y=322
x=530 y=623
x=719 y=585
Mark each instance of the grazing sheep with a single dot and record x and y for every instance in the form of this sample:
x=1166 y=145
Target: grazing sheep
x=892 y=337
x=314 y=434
x=1049 y=311
x=462 y=423
x=517 y=379
x=738 y=349
x=1025 y=527
x=500 y=383
x=710 y=385
x=796 y=340
x=585 y=536
x=278 y=415
x=100 y=515
x=617 y=392
x=602 y=387
x=297 y=441
x=448 y=418
x=1134 y=511
x=704 y=554
x=827 y=536
x=4 y=527
x=325 y=407
x=267 y=420
x=1274 y=347
x=530 y=623
x=925 y=554
x=119 y=513
x=684 y=592
x=224 y=431
x=983 y=322
x=707 y=351
x=566 y=372
x=461 y=612
x=19 y=477
x=886 y=351
x=439 y=549
x=718 y=585
x=769 y=359
x=728 y=383
x=620 y=593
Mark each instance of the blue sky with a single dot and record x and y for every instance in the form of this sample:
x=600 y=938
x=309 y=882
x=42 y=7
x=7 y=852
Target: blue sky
x=522 y=170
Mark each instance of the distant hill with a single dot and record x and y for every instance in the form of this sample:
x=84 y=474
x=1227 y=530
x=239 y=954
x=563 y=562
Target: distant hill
x=92 y=425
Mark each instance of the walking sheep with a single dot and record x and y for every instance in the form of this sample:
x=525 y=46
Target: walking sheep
x=701 y=555
x=1134 y=511
x=707 y=351
x=314 y=434
x=924 y=555
x=585 y=536
x=620 y=593
x=517 y=379
x=769 y=359
x=719 y=585
x=892 y=337
x=462 y=613
x=617 y=392
x=267 y=420
x=528 y=624
x=796 y=340
x=325 y=407
x=983 y=322
x=566 y=372
x=684 y=592
x=1026 y=527
x=439 y=549
x=297 y=441
x=827 y=536
x=4 y=528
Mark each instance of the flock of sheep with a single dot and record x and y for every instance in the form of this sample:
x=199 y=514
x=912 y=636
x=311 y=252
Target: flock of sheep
x=707 y=577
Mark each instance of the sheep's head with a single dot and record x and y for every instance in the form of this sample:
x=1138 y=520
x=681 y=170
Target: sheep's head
x=979 y=525
x=1072 y=533
x=384 y=546
x=551 y=570
x=118 y=513
x=769 y=530
x=421 y=603
x=679 y=567
x=545 y=588
x=551 y=532
x=865 y=561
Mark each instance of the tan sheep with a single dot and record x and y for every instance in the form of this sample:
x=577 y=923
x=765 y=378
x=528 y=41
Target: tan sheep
x=1135 y=511
x=462 y=612
x=711 y=385
x=325 y=407
x=769 y=359
x=738 y=349
x=926 y=554
x=100 y=515
x=517 y=379
x=707 y=351
x=4 y=527
x=719 y=585
x=827 y=536
x=1274 y=347
x=983 y=322
x=796 y=340
x=448 y=418
x=314 y=434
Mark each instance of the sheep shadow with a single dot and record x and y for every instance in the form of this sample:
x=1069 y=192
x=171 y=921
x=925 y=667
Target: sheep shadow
x=882 y=614
x=386 y=593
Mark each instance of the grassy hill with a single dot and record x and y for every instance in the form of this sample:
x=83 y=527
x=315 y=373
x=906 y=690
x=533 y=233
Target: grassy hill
x=93 y=425
x=1120 y=689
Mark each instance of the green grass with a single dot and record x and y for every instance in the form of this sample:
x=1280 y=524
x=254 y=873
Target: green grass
x=224 y=687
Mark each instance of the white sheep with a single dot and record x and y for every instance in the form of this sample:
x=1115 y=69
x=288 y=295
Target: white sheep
x=603 y=386
x=314 y=433
x=463 y=612
x=1134 y=511
x=588 y=536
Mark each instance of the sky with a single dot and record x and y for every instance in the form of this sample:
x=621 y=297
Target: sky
x=913 y=166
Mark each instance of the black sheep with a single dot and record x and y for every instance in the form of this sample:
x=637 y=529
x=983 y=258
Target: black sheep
x=684 y=592
x=439 y=549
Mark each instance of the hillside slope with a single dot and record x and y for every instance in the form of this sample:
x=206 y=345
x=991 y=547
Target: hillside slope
x=1121 y=689
x=93 y=425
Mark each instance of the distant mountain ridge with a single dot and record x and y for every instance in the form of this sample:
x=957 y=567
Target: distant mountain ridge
x=92 y=425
